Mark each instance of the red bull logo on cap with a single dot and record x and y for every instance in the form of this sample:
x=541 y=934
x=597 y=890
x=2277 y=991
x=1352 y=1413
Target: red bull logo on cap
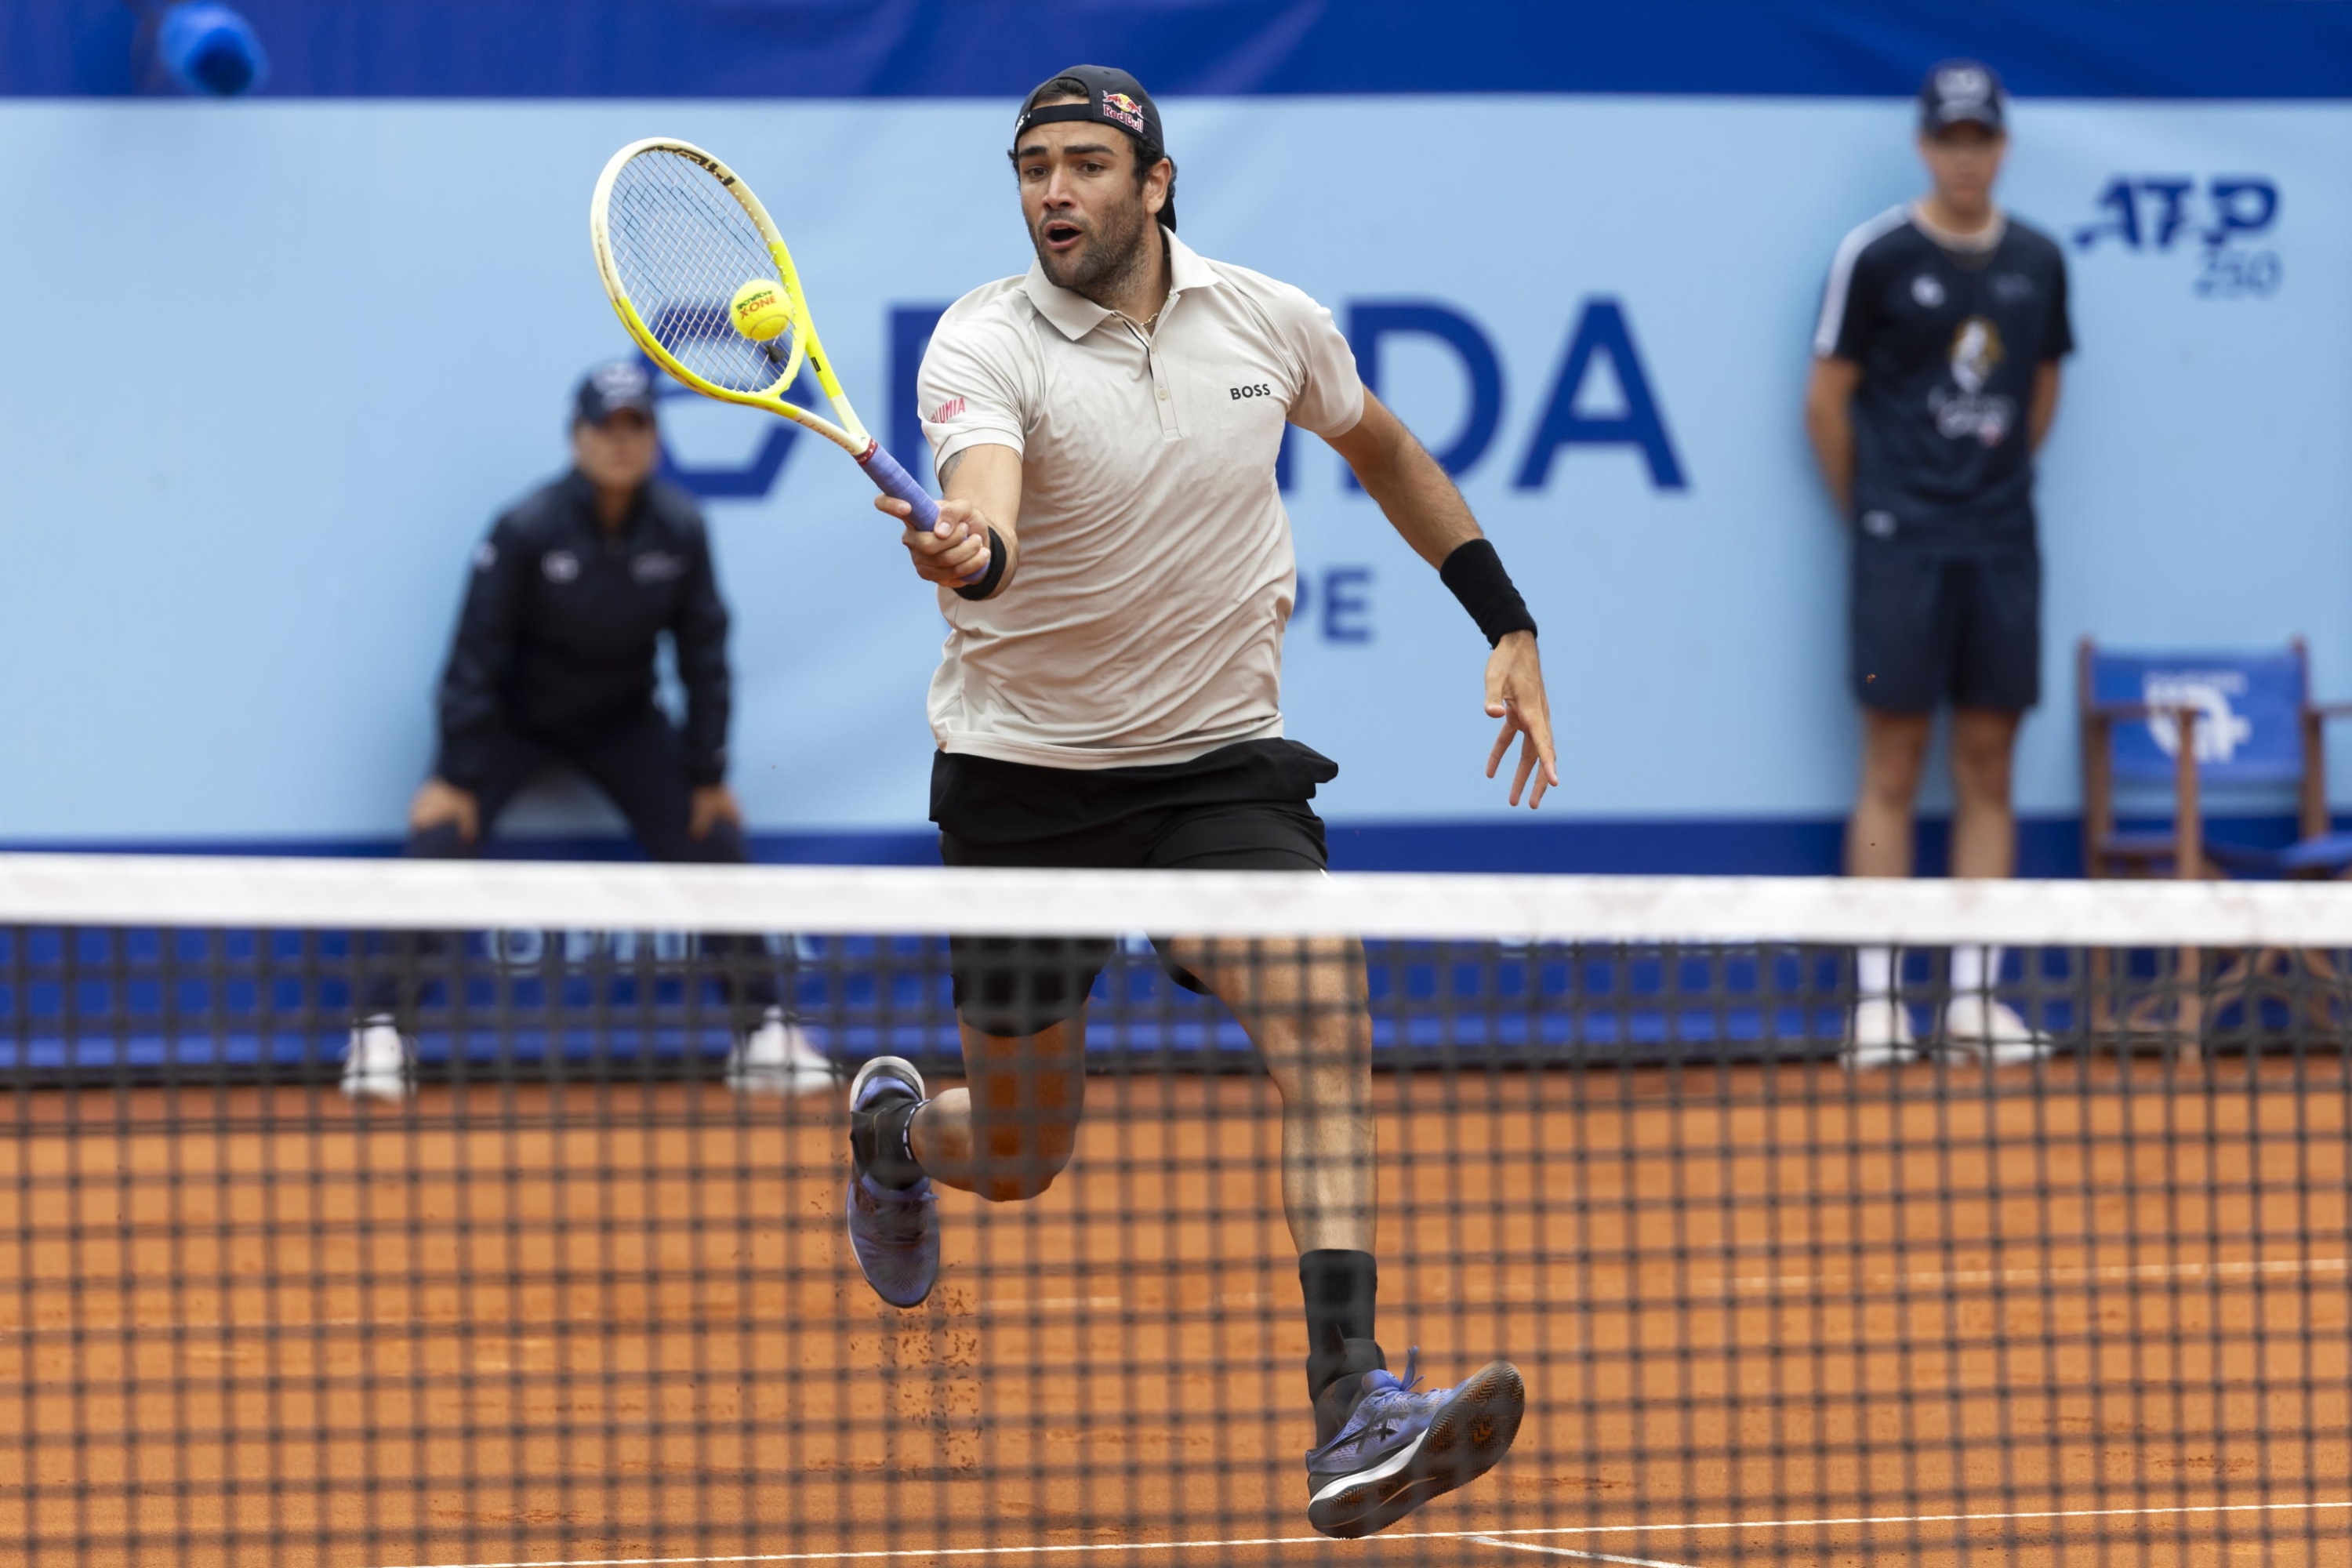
x=1126 y=111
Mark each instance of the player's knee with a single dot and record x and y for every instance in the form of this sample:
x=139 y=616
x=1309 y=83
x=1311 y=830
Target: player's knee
x=1981 y=775
x=1020 y=1155
x=1890 y=774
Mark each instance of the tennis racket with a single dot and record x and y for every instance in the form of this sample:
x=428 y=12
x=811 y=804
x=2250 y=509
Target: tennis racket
x=677 y=234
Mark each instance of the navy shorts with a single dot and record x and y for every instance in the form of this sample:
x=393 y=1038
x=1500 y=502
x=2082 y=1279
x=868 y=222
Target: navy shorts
x=1938 y=623
x=1240 y=808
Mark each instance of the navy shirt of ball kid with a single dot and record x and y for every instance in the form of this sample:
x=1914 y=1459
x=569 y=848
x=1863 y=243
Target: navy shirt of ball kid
x=562 y=621
x=1948 y=341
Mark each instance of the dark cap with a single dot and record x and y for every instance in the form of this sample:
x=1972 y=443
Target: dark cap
x=1113 y=97
x=611 y=388
x=1961 y=92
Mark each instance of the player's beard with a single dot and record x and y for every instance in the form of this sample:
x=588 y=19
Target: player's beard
x=1114 y=251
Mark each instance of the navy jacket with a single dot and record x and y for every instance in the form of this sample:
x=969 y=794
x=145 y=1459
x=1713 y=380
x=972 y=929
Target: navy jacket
x=561 y=619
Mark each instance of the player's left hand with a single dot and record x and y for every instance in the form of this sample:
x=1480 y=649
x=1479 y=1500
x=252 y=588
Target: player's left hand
x=712 y=804
x=1515 y=694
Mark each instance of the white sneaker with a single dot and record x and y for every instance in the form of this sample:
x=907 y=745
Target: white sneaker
x=776 y=1058
x=379 y=1064
x=1981 y=1029
x=1879 y=1034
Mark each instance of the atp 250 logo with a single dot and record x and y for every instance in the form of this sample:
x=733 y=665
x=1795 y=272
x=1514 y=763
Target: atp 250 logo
x=2223 y=222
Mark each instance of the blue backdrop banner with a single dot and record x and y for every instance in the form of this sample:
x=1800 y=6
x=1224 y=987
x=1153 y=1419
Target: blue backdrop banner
x=960 y=48
x=271 y=389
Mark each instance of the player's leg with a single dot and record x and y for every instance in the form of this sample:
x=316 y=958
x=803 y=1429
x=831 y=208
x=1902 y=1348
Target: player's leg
x=1383 y=1447
x=1020 y=1006
x=1901 y=627
x=639 y=762
x=1997 y=675
x=1021 y=1013
x=1984 y=821
x=379 y=1063
x=1004 y=1135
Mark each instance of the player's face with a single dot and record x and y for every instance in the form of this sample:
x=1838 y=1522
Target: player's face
x=619 y=454
x=1087 y=216
x=1964 y=160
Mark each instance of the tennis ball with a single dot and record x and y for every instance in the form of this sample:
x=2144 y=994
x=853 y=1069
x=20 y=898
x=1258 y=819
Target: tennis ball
x=758 y=310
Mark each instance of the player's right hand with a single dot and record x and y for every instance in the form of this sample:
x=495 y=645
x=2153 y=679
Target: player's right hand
x=438 y=803
x=952 y=549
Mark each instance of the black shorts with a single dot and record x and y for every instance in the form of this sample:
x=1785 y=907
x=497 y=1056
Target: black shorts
x=1240 y=808
x=1937 y=623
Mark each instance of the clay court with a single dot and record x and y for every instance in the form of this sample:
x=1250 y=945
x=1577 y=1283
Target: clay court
x=2101 y=1320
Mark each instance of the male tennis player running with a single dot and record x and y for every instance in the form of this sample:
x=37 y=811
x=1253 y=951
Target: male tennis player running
x=1106 y=430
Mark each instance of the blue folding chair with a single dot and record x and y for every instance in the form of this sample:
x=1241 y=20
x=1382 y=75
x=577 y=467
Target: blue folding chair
x=2184 y=729
x=2240 y=724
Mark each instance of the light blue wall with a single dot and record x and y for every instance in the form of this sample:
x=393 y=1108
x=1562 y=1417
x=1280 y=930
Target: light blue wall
x=270 y=383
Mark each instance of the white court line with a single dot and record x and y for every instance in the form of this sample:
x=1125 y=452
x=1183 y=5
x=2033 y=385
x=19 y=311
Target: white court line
x=1572 y=1551
x=2076 y=1276
x=1041 y=1550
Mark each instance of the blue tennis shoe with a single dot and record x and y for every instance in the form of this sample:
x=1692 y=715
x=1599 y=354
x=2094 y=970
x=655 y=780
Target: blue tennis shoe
x=893 y=1231
x=1401 y=1446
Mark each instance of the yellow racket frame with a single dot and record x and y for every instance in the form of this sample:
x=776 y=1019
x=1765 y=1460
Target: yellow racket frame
x=843 y=429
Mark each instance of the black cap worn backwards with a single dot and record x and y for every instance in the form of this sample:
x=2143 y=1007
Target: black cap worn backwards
x=611 y=388
x=1961 y=92
x=1113 y=97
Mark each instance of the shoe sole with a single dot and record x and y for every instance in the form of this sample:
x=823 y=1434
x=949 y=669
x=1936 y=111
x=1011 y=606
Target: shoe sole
x=901 y=1067
x=878 y=1065
x=1469 y=1436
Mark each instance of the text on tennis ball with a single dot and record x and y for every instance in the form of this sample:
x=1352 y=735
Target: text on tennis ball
x=759 y=311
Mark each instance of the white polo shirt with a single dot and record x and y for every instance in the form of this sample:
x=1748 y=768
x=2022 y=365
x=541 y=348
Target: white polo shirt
x=1145 y=624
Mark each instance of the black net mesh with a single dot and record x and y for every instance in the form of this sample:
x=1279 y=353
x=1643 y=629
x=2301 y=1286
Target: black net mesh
x=2063 y=1279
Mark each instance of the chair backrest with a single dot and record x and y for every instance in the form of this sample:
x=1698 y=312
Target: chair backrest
x=2249 y=712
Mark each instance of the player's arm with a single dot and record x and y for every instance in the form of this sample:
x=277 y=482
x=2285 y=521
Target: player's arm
x=699 y=639
x=1829 y=421
x=980 y=487
x=470 y=705
x=1424 y=507
x=2043 y=409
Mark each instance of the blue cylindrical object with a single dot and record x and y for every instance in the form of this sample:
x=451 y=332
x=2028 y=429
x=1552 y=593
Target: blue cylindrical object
x=210 y=49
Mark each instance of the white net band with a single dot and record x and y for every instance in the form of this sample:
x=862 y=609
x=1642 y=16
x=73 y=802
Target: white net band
x=192 y=890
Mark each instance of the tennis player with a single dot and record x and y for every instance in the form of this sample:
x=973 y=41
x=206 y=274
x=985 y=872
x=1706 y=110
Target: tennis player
x=1934 y=379
x=1106 y=430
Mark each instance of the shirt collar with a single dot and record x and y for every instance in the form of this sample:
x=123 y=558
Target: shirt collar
x=1073 y=315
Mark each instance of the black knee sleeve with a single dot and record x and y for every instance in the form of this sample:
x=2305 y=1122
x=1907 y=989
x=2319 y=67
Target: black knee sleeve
x=1016 y=986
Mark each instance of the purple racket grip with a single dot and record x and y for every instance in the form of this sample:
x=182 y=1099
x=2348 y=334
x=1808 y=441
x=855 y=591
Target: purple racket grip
x=896 y=482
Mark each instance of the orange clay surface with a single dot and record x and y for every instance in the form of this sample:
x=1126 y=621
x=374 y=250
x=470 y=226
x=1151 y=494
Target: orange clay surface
x=584 y=1325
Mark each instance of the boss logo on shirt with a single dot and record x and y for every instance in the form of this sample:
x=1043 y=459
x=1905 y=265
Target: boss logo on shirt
x=656 y=567
x=1260 y=390
x=559 y=567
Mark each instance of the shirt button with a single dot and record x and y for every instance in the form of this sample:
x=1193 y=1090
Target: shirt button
x=1163 y=394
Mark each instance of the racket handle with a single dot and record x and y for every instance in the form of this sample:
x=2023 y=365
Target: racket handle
x=892 y=480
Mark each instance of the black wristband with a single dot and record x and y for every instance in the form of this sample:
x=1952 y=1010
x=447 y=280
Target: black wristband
x=992 y=576
x=1474 y=573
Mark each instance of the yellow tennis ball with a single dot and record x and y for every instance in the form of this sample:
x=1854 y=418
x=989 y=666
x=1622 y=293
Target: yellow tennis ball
x=759 y=311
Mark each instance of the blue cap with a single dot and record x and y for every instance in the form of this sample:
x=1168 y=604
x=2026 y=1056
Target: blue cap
x=611 y=388
x=1962 y=92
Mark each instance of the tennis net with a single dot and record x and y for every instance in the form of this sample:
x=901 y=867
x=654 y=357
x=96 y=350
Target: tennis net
x=1825 y=1222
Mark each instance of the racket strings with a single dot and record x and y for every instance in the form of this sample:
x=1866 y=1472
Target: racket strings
x=682 y=245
